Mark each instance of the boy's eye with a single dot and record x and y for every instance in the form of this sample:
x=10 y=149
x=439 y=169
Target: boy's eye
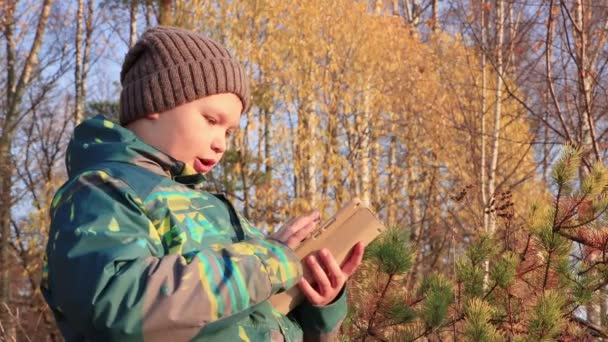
x=229 y=133
x=211 y=120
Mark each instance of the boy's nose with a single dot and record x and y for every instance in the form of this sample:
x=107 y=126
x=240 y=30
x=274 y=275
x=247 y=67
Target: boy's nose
x=218 y=145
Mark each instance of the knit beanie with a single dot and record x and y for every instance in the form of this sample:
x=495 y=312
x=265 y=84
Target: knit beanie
x=169 y=66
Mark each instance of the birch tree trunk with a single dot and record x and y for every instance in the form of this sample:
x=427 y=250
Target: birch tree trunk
x=415 y=223
x=87 y=53
x=133 y=22
x=375 y=161
x=311 y=160
x=260 y=165
x=392 y=154
x=588 y=141
x=434 y=16
x=512 y=32
x=81 y=67
x=489 y=212
x=498 y=108
x=351 y=130
x=305 y=161
x=364 y=149
x=378 y=7
x=412 y=15
x=484 y=195
x=267 y=141
x=148 y=13
x=330 y=172
x=267 y=137
x=354 y=127
x=243 y=165
x=166 y=12
x=79 y=107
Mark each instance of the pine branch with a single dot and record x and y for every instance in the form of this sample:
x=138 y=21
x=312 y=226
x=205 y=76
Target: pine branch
x=453 y=321
x=392 y=324
x=547 y=267
x=490 y=291
x=600 y=285
x=370 y=325
x=424 y=333
x=557 y=200
x=510 y=314
x=591 y=267
x=576 y=239
x=571 y=301
x=593 y=329
x=522 y=256
x=588 y=221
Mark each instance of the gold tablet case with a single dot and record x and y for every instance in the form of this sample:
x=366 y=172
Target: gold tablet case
x=352 y=223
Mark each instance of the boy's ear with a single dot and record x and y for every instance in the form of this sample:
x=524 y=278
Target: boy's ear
x=152 y=116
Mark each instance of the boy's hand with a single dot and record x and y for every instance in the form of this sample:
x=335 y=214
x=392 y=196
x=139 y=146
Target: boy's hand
x=329 y=278
x=297 y=229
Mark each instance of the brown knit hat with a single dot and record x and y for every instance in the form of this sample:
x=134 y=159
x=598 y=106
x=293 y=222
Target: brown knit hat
x=169 y=66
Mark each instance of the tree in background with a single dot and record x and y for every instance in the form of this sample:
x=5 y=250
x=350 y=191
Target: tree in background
x=81 y=65
x=22 y=71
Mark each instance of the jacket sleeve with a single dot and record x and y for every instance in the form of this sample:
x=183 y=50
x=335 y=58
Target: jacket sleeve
x=321 y=323
x=108 y=278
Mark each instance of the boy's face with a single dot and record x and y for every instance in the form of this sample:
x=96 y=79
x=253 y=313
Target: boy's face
x=195 y=132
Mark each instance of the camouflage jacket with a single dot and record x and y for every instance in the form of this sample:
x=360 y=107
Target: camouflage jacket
x=137 y=252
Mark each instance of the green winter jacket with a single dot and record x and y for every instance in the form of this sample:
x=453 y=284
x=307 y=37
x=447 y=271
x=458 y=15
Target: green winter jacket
x=137 y=252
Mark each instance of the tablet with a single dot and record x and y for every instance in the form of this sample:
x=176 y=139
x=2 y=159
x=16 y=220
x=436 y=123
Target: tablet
x=352 y=223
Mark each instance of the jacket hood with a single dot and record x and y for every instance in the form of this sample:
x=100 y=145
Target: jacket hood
x=99 y=140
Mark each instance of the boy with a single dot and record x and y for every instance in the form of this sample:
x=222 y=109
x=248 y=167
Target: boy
x=137 y=251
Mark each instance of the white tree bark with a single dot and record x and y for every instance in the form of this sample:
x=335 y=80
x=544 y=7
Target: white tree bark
x=87 y=53
x=434 y=16
x=497 y=109
x=484 y=195
x=79 y=108
x=587 y=134
x=311 y=163
x=133 y=22
x=148 y=13
x=83 y=50
x=364 y=161
x=392 y=156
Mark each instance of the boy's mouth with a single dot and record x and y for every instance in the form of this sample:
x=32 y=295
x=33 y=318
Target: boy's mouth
x=203 y=165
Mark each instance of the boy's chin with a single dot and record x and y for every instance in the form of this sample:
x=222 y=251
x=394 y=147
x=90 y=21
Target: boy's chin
x=189 y=170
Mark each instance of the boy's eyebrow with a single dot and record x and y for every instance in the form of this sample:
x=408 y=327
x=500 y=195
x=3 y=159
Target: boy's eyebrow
x=223 y=118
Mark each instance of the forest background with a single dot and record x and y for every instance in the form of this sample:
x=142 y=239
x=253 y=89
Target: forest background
x=477 y=129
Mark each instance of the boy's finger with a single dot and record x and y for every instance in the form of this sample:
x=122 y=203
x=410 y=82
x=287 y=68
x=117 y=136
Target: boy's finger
x=333 y=269
x=285 y=230
x=309 y=292
x=312 y=217
x=300 y=234
x=354 y=260
x=321 y=278
x=303 y=221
